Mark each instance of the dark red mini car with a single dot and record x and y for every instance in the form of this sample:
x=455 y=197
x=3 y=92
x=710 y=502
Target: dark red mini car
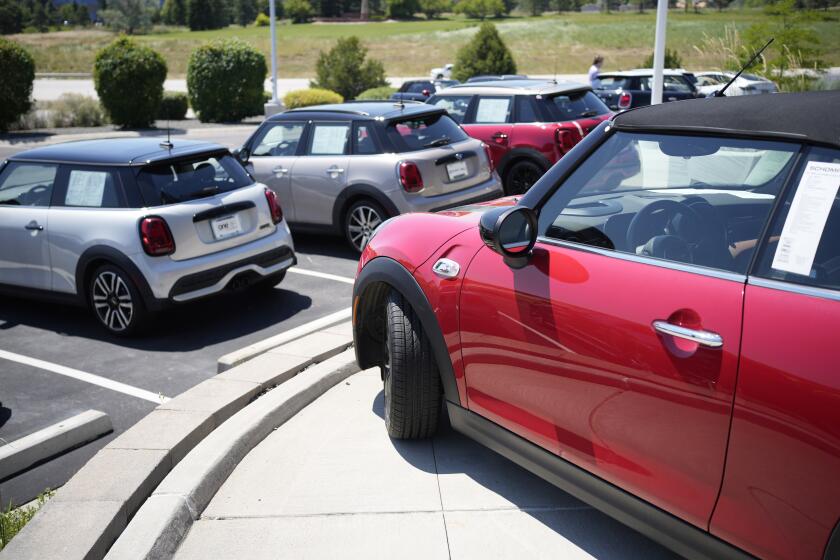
x=528 y=124
x=653 y=327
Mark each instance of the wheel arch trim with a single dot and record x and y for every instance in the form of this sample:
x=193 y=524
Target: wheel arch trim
x=369 y=292
x=353 y=192
x=103 y=253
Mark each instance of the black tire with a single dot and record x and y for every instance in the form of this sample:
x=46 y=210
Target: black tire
x=267 y=284
x=521 y=176
x=116 y=301
x=360 y=220
x=410 y=374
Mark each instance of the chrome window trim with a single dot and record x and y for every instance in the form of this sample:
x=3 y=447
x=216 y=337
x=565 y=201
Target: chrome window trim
x=681 y=267
x=824 y=293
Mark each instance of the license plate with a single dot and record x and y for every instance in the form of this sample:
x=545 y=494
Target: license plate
x=457 y=170
x=226 y=226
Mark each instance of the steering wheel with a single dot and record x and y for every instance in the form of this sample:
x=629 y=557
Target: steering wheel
x=681 y=234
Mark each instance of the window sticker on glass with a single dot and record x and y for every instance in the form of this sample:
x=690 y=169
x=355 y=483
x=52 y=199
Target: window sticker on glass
x=329 y=140
x=806 y=220
x=86 y=188
x=492 y=110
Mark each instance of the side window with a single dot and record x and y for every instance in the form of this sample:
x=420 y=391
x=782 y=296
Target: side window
x=492 y=110
x=675 y=83
x=525 y=112
x=363 y=141
x=645 y=84
x=803 y=246
x=278 y=139
x=329 y=139
x=27 y=184
x=693 y=200
x=91 y=188
x=456 y=106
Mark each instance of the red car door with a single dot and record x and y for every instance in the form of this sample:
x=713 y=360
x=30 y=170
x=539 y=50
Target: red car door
x=781 y=496
x=490 y=120
x=616 y=346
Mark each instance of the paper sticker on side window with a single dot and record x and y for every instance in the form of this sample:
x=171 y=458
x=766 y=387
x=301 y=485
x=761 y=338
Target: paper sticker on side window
x=806 y=220
x=86 y=188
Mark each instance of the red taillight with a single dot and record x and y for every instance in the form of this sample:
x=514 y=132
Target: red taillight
x=274 y=206
x=410 y=177
x=489 y=157
x=564 y=139
x=156 y=237
x=624 y=100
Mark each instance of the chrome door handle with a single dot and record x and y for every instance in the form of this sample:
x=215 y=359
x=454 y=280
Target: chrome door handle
x=279 y=171
x=335 y=169
x=499 y=136
x=703 y=338
x=34 y=226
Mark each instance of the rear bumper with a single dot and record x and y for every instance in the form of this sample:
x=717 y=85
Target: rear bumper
x=488 y=190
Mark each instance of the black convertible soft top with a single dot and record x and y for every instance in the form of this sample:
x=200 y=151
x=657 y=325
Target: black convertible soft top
x=811 y=117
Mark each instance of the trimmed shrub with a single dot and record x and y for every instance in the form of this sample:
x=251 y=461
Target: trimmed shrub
x=672 y=60
x=383 y=92
x=174 y=106
x=225 y=81
x=129 y=81
x=481 y=9
x=18 y=69
x=299 y=11
x=262 y=20
x=309 y=97
x=486 y=53
x=344 y=69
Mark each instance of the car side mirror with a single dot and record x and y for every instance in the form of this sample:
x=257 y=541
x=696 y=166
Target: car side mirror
x=511 y=232
x=242 y=154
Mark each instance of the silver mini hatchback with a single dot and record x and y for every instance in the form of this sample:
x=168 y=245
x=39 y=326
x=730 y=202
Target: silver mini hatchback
x=129 y=226
x=346 y=168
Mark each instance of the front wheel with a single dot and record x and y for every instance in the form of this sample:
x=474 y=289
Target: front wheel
x=410 y=374
x=116 y=301
x=361 y=220
x=521 y=176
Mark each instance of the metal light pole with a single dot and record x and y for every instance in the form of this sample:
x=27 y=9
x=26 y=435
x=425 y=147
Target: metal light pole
x=658 y=51
x=274 y=106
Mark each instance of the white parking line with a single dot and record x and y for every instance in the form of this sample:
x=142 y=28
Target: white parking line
x=84 y=376
x=325 y=275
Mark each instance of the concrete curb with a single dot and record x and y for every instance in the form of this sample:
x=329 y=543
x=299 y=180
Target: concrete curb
x=164 y=519
x=88 y=513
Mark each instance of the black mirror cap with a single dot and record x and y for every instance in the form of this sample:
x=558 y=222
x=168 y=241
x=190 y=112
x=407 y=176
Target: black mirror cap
x=242 y=154
x=520 y=221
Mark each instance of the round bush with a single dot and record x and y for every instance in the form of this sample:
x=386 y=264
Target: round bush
x=129 y=81
x=299 y=11
x=225 y=81
x=384 y=92
x=311 y=96
x=486 y=53
x=262 y=21
x=174 y=106
x=15 y=93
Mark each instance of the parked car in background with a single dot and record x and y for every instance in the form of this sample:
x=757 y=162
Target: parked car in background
x=131 y=226
x=528 y=124
x=652 y=327
x=709 y=83
x=442 y=73
x=421 y=90
x=348 y=167
x=630 y=89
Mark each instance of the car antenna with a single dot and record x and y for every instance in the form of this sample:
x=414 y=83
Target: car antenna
x=168 y=144
x=719 y=93
x=555 y=71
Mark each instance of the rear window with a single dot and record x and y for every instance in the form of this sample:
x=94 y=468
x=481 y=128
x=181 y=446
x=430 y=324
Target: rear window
x=578 y=105
x=418 y=87
x=424 y=132
x=613 y=82
x=188 y=179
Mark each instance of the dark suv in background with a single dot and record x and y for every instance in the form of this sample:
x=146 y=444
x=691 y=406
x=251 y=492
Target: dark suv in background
x=627 y=90
x=421 y=90
x=528 y=124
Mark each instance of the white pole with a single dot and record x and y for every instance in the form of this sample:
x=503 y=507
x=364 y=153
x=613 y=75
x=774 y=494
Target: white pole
x=659 y=51
x=271 y=13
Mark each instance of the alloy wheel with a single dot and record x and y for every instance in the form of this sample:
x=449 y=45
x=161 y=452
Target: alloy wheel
x=522 y=178
x=362 y=222
x=112 y=301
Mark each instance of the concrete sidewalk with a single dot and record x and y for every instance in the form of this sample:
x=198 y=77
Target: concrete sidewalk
x=329 y=483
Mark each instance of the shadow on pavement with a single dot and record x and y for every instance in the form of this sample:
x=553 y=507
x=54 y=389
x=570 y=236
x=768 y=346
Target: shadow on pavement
x=186 y=327
x=325 y=245
x=594 y=532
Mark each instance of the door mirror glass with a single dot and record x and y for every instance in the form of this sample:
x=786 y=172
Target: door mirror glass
x=242 y=154
x=511 y=232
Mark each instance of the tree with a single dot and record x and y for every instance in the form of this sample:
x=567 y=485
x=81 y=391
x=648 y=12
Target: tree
x=206 y=14
x=721 y=4
x=246 y=11
x=345 y=71
x=433 y=8
x=299 y=11
x=82 y=14
x=40 y=18
x=480 y=9
x=672 y=60
x=11 y=17
x=402 y=9
x=68 y=13
x=486 y=53
x=174 y=12
x=129 y=16
x=533 y=7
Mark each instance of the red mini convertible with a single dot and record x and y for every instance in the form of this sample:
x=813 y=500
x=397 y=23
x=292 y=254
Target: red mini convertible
x=653 y=327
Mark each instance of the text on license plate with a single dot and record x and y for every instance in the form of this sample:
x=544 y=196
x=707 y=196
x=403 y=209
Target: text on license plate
x=226 y=226
x=457 y=170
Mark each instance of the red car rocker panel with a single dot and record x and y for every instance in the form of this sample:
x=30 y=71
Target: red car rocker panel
x=652 y=327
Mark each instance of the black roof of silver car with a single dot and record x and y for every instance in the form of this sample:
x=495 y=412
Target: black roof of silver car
x=366 y=109
x=116 y=151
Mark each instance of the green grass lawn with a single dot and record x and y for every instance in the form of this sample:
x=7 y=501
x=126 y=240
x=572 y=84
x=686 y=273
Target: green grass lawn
x=565 y=43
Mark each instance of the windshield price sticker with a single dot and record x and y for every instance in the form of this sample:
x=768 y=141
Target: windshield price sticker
x=805 y=222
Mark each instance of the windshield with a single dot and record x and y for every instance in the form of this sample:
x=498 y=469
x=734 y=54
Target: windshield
x=424 y=132
x=573 y=106
x=177 y=181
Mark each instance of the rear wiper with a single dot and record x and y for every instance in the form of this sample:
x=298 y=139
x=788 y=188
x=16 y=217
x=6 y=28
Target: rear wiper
x=439 y=142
